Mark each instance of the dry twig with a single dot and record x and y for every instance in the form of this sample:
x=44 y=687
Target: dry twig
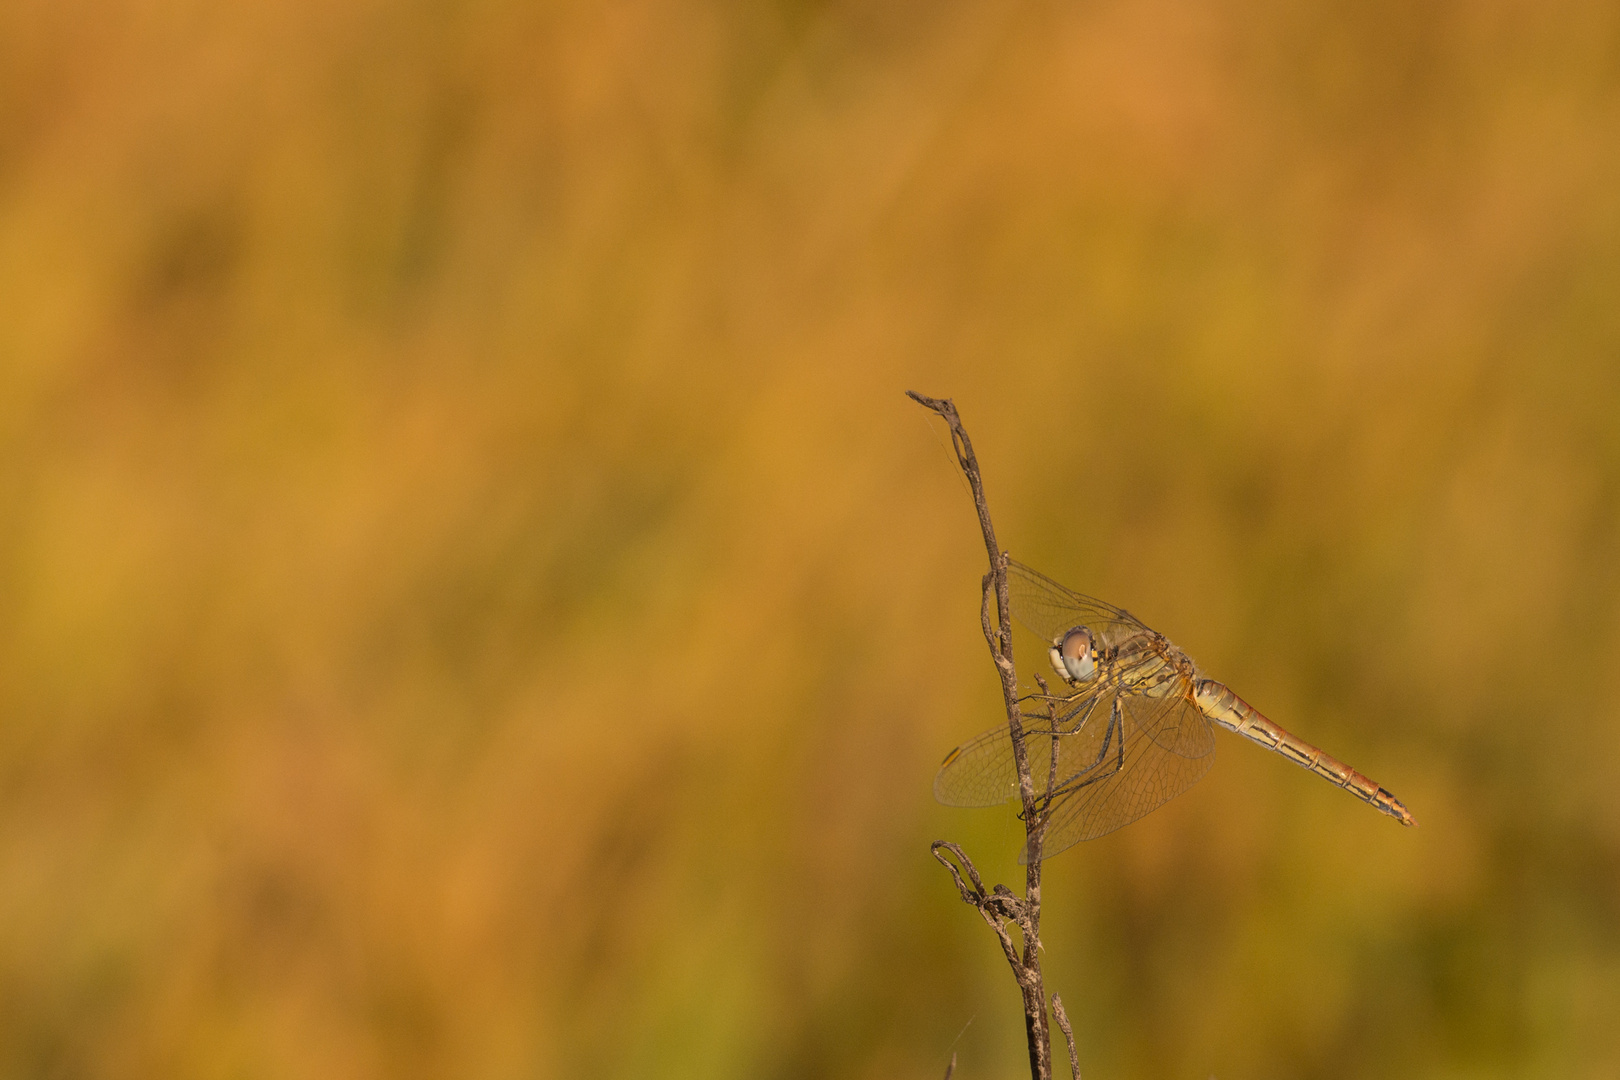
x=999 y=906
x=1068 y=1034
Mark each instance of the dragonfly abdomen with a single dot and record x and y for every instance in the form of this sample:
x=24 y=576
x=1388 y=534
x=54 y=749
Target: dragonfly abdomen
x=1225 y=708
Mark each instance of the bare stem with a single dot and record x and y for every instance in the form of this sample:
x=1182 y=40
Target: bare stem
x=1068 y=1036
x=1000 y=904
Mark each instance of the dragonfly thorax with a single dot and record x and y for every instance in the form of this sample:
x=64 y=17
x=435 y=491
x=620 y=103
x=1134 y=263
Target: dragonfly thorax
x=1073 y=655
x=1148 y=664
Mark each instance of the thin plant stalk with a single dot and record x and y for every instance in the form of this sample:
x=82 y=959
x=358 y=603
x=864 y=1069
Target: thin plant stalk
x=1000 y=906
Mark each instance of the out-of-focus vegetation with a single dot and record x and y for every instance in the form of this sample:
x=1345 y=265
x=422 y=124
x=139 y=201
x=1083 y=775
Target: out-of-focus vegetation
x=474 y=601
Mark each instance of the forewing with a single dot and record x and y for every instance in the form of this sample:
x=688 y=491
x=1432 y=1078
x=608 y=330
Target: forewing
x=1167 y=748
x=981 y=772
x=1048 y=609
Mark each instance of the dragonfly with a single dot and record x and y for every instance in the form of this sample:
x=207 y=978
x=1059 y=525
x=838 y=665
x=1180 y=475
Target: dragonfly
x=1128 y=726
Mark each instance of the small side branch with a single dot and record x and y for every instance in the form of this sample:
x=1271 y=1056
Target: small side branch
x=1068 y=1035
x=996 y=907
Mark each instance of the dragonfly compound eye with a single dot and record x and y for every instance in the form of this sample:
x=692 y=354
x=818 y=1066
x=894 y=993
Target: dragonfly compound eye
x=1073 y=656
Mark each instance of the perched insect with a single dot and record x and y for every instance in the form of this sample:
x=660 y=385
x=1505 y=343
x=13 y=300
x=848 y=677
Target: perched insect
x=1131 y=718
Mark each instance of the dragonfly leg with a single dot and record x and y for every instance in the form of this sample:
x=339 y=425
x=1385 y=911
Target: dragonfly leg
x=1053 y=703
x=1054 y=725
x=1113 y=738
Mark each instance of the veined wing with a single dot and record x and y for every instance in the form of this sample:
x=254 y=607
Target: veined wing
x=981 y=772
x=1049 y=609
x=1148 y=751
x=1120 y=755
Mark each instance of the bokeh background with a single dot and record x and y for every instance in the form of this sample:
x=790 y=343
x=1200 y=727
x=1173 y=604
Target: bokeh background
x=475 y=602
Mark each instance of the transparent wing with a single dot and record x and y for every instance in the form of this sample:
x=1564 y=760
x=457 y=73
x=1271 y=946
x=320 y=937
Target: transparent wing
x=1151 y=750
x=981 y=772
x=1049 y=609
x=978 y=773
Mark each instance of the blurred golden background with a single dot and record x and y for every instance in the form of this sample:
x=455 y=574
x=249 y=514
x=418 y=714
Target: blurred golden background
x=475 y=602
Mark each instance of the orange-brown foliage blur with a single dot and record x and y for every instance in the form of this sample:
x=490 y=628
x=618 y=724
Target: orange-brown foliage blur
x=475 y=603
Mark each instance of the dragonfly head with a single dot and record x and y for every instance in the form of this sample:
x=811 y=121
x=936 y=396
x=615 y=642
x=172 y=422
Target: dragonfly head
x=1073 y=656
